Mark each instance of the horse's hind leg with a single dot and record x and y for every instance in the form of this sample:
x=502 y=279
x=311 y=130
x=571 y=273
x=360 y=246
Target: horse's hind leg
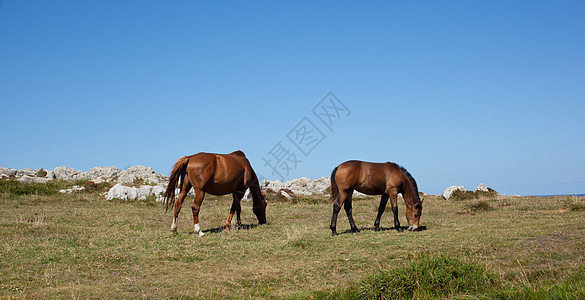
x=348 y=211
x=199 y=195
x=236 y=207
x=381 y=208
x=336 y=208
x=179 y=203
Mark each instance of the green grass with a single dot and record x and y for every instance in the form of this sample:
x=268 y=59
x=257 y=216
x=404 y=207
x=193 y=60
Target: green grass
x=475 y=207
x=79 y=245
x=16 y=188
x=428 y=276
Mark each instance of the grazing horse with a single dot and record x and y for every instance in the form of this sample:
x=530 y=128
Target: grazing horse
x=217 y=174
x=386 y=179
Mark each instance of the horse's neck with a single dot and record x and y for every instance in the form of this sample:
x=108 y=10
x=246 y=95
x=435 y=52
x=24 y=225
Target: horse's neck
x=410 y=195
x=255 y=191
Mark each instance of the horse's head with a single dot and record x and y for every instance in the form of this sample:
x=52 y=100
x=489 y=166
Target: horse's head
x=260 y=209
x=413 y=214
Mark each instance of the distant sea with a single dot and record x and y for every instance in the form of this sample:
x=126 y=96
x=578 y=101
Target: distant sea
x=576 y=195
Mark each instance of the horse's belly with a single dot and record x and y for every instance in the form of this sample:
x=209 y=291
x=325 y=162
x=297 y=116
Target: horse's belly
x=219 y=189
x=369 y=190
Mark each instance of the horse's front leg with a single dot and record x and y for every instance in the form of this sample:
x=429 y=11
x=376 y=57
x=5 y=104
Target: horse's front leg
x=393 y=202
x=238 y=212
x=381 y=208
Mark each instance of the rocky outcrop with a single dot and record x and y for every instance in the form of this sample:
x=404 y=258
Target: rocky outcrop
x=123 y=192
x=136 y=174
x=302 y=186
x=448 y=191
x=482 y=188
x=65 y=173
x=6 y=172
x=140 y=182
x=98 y=174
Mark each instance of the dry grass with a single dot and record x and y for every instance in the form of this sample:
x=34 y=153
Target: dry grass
x=81 y=246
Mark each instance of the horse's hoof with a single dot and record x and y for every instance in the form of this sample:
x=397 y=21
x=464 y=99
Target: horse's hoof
x=355 y=230
x=376 y=228
x=200 y=234
x=400 y=229
x=333 y=233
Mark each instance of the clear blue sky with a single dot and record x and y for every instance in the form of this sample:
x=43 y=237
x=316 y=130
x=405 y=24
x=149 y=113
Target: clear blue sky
x=458 y=92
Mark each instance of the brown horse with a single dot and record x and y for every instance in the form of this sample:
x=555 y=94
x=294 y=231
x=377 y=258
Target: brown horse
x=217 y=174
x=386 y=179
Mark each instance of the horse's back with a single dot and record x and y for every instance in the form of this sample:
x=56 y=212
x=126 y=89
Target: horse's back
x=366 y=177
x=218 y=174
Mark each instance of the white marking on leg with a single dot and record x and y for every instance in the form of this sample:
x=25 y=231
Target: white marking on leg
x=198 y=230
x=174 y=226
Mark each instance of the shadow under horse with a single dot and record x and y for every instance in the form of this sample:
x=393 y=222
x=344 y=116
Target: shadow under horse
x=216 y=174
x=386 y=179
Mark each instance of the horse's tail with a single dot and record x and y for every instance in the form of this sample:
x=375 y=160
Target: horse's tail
x=334 y=188
x=179 y=171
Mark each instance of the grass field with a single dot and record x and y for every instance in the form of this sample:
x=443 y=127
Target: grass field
x=81 y=246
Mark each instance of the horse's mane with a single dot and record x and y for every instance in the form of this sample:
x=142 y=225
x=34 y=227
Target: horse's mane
x=414 y=186
x=410 y=178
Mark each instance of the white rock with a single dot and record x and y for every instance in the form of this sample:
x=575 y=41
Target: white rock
x=8 y=172
x=65 y=173
x=147 y=174
x=103 y=172
x=285 y=194
x=74 y=188
x=247 y=195
x=143 y=192
x=126 y=178
x=482 y=188
x=50 y=174
x=26 y=172
x=120 y=191
x=302 y=186
x=158 y=191
x=448 y=191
